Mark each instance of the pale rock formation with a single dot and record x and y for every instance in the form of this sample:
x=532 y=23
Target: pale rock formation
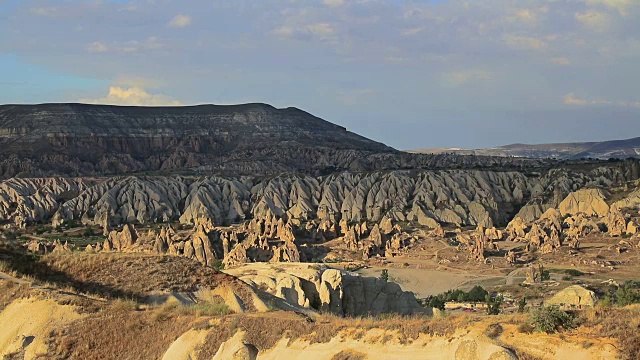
x=438 y=231
x=573 y=297
x=616 y=223
x=591 y=202
x=37 y=247
x=236 y=349
x=325 y=289
x=458 y=197
x=285 y=231
x=511 y=257
x=516 y=229
x=119 y=241
x=26 y=201
x=287 y=252
x=386 y=226
x=493 y=234
x=59 y=247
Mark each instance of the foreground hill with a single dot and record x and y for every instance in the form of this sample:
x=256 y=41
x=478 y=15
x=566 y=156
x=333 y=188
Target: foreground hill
x=84 y=306
x=598 y=150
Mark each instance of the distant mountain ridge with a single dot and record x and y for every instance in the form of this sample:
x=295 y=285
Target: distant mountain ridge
x=81 y=139
x=565 y=151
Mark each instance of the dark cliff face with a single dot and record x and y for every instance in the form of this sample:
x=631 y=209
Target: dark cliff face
x=79 y=139
x=250 y=139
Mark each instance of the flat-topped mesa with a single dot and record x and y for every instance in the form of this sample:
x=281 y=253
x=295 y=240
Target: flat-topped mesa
x=101 y=139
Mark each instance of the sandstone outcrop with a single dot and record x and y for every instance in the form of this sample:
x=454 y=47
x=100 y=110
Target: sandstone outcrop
x=591 y=202
x=458 y=197
x=321 y=288
x=573 y=297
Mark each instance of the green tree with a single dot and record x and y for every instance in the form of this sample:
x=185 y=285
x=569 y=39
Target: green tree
x=384 y=275
x=522 y=303
x=544 y=274
x=494 y=305
x=478 y=293
x=436 y=302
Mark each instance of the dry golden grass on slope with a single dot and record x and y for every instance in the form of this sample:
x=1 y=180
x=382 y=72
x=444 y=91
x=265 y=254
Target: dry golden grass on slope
x=265 y=330
x=622 y=324
x=123 y=334
x=121 y=275
x=10 y=291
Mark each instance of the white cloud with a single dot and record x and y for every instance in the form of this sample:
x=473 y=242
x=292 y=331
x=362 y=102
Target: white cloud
x=459 y=78
x=320 y=30
x=97 y=47
x=44 y=11
x=524 y=42
x=594 y=20
x=151 y=43
x=180 y=21
x=133 y=96
x=333 y=3
x=526 y=15
x=572 y=99
x=622 y=6
x=412 y=31
x=561 y=61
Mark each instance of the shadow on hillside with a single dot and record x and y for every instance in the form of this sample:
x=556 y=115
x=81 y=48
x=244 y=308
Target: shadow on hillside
x=27 y=264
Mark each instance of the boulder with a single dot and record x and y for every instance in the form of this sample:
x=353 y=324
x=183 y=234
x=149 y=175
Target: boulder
x=573 y=297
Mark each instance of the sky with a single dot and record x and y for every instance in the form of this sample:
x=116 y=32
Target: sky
x=409 y=73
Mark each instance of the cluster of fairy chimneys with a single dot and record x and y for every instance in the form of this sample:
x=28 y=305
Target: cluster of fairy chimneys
x=553 y=230
x=547 y=234
x=384 y=239
x=479 y=241
x=39 y=247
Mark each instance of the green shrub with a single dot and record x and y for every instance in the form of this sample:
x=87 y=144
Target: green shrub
x=384 y=275
x=573 y=272
x=477 y=294
x=544 y=274
x=494 y=305
x=435 y=302
x=522 y=303
x=88 y=232
x=217 y=264
x=627 y=293
x=552 y=319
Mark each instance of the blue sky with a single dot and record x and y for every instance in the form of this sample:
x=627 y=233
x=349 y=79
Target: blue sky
x=410 y=73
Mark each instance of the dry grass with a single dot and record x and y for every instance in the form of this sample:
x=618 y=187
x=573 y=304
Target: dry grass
x=120 y=305
x=10 y=291
x=349 y=355
x=118 y=335
x=265 y=330
x=208 y=309
x=622 y=324
x=493 y=330
x=117 y=275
